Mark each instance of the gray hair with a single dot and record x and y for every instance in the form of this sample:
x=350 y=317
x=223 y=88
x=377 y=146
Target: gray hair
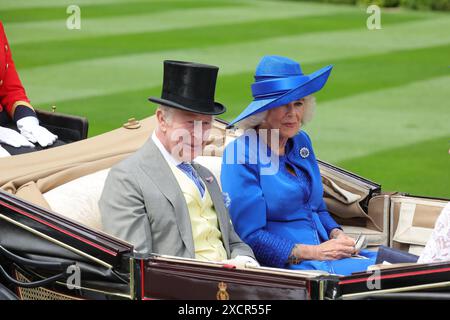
x=167 y=113
x=256 y=119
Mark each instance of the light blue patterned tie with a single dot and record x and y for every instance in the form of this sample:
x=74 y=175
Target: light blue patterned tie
x=191 y=173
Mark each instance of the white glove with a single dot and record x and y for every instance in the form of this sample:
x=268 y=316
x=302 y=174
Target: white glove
x=29 y=128
x=13 y=138
x=3 y=153
x=242 y=262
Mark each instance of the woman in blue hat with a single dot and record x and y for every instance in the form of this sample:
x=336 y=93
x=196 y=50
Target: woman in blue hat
x=273 y=180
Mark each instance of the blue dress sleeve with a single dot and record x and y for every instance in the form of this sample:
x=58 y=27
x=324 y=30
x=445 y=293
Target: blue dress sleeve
x=327 y=220
x=248 y=212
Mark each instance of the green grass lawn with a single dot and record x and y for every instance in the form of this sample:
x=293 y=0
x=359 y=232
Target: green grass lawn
x=384 y=114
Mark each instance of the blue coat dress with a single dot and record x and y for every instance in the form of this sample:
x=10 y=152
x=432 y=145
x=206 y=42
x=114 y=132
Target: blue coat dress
x=272 y=210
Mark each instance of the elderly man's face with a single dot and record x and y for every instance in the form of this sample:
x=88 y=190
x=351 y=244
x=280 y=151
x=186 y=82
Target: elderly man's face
x=286 y=118
x=186 y=133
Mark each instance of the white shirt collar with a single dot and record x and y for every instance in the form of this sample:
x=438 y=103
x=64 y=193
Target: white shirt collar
x=169 y=158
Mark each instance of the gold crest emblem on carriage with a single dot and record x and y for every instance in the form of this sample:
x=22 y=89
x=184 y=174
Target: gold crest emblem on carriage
x=222 y=294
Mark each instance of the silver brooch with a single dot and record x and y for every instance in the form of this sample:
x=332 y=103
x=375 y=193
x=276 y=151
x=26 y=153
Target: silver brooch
x=304 y=152
x=226 y=199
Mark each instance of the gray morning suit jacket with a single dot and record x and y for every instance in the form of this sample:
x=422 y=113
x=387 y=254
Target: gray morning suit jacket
x=143 y=204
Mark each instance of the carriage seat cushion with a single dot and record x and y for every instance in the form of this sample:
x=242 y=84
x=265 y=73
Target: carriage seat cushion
x=374 y=237
x=78 y=199
x=413 y=222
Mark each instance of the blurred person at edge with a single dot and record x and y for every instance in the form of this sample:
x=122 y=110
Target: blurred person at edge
x=15 y=107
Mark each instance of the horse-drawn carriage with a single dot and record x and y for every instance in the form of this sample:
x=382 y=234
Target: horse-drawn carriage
x=52 y=245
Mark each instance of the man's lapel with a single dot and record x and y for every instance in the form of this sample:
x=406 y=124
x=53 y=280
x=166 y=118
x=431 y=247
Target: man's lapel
x=157 y=169
x=217 y=199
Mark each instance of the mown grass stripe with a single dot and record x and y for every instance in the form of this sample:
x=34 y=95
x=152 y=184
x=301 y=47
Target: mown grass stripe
x=365 y=123
x=23 y=4
x=379 y=71
x=108 y=75
x=95 y=10
x=38 y=32
x=421 y=168
x=54 y=52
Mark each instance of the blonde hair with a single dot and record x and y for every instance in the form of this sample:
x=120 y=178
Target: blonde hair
x=256 y=119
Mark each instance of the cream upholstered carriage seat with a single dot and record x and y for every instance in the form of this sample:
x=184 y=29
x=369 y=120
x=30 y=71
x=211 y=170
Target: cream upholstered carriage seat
x=78 y=199
x=412 y=221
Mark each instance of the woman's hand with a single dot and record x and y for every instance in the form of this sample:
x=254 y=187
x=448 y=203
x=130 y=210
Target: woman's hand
x=339 y=234
x=333 y=249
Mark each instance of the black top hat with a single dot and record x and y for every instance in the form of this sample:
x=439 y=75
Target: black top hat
x=189 y=86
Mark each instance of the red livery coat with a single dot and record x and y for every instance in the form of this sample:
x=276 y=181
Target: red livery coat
x=12 y=93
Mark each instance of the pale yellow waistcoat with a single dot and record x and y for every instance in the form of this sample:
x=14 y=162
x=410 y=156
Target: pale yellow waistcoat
x=205 y=228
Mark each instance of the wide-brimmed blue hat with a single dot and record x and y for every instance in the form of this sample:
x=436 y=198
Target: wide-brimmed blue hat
x=279 y=81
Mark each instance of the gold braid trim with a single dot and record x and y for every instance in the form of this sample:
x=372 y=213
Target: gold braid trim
x=19 y=103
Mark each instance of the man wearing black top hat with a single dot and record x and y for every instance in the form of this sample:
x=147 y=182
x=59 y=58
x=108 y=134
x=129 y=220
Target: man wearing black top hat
x=161 y=201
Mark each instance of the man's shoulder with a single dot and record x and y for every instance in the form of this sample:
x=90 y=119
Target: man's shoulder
x=130 y=167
